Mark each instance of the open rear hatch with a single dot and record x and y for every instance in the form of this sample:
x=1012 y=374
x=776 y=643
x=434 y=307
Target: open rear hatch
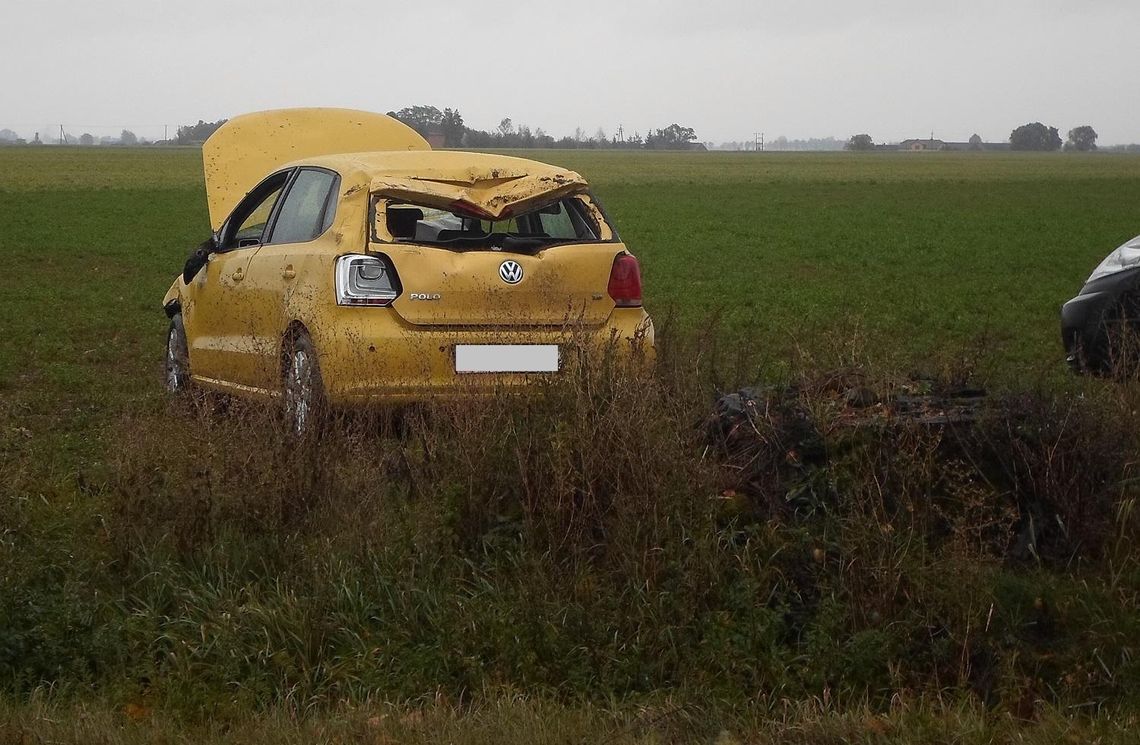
x=247 y=148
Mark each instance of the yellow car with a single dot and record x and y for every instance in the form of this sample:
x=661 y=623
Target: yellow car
x=352 y=264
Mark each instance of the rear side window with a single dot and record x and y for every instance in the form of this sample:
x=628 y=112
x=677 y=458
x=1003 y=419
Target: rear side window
x=558 y=222
x=308 y=208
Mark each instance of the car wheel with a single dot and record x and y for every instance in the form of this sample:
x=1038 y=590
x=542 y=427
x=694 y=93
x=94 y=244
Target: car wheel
x=177 y=363
x=302 y=386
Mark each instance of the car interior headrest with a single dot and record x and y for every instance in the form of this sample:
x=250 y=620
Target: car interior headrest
x=402 y=221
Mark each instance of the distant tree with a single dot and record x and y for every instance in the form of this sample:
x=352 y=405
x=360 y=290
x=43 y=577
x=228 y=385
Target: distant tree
x=127 y=137
x=1035 y=136
x=423 y=119
x=541 y=139
x=190 y=134
x=1082 y=139
x=673 y=137
x=478 y=138
x=8 y=135
x=600 y=135
x=506 y=127
x=861 y=142
x=86 y=139
x=452 y=125
x=680 y=135
x=579 y=135
x=976 y=142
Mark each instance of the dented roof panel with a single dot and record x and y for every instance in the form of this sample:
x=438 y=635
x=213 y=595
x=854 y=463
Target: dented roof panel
x=496 y=185
x=488 y=198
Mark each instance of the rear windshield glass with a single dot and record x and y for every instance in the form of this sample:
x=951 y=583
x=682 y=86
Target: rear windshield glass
x=564 y=221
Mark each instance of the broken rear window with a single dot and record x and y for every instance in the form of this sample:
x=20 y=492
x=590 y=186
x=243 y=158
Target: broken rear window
x=567 y=220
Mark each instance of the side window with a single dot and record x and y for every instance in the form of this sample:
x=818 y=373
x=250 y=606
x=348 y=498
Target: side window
x=246 y=226
x=307 y=210
x=561 y=222
x=556 y=223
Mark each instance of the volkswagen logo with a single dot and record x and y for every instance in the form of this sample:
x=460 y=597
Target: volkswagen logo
x=510 y=272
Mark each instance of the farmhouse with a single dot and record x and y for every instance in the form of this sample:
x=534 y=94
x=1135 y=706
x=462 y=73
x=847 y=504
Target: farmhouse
x=921 y=145
x=927 y=145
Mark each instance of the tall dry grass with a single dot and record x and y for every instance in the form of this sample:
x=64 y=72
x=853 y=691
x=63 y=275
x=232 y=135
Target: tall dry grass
x=604 y=534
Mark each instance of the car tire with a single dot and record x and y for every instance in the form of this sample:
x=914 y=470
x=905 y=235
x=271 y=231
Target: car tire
x=303 y=390
x=176 y=368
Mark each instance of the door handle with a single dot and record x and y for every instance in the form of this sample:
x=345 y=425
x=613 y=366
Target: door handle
x=238 y=275
x=288 y=272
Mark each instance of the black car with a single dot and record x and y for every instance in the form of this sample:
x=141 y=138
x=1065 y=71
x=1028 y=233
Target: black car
x=1099 y=326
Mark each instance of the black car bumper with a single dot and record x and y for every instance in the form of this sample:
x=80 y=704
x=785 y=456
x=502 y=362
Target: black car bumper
x=1083 y=327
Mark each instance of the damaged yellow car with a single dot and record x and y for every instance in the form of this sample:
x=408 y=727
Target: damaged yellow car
x=351 y=264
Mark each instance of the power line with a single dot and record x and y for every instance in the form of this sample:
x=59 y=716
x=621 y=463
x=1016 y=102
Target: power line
x=73 y=125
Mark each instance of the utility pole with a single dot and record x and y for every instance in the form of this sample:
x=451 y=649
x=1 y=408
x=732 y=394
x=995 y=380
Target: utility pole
x=166 y=134
x=621 y=134
x=758 y=141
x=61 y=134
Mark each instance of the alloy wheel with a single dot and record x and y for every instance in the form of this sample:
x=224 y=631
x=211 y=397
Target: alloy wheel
x=176 y=369
x=299 y=391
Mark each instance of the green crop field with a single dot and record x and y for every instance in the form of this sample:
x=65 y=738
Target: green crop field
x=924 y=255
x=120 y=612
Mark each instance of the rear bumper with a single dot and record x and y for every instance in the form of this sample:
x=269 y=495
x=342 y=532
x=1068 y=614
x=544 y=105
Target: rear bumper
x=371 y=355
x=1080 y=329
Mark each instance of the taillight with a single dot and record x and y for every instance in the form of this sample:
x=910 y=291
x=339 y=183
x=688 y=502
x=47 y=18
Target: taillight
x=625 y=282
x=366 y=280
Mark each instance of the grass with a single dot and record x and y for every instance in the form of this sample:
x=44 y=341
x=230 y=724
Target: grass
x=176 y=571
x=519 y=719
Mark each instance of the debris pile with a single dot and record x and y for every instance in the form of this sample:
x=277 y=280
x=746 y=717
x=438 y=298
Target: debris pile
x=1021 y=473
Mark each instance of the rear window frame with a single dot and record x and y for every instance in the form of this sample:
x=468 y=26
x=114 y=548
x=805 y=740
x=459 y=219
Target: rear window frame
x=583 y=209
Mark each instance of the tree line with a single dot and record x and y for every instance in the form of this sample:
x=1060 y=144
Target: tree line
x=1037 y=136
x=1034 y=136
x=430 y=121
x=448 y=124
x=447 y=128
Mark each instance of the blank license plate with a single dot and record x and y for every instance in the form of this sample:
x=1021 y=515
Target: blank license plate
x=504 y=358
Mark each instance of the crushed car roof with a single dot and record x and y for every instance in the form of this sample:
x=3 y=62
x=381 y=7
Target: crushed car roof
x=481 y=183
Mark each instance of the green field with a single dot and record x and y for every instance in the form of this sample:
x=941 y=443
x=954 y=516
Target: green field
x=114 y=595
x=921 y=254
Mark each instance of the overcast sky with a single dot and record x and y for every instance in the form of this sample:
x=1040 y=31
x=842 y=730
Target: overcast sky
x=728 y=68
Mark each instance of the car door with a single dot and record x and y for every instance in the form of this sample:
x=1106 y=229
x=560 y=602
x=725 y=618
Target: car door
x=218 y=310
x=287 y=270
